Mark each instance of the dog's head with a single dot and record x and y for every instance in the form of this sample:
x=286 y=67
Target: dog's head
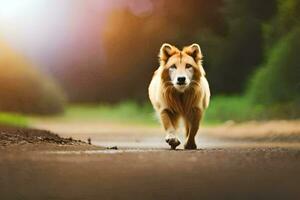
x=181 y=68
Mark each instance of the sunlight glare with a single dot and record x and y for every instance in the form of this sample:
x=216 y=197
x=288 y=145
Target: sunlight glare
x=10 y=9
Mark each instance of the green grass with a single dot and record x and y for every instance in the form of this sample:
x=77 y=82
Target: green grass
x=242 y=108
x=13 y=119
x=221 y=109
x=237 y=108
x=126 y=112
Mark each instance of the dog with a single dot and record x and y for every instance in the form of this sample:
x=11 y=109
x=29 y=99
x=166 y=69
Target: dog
x=179 y=90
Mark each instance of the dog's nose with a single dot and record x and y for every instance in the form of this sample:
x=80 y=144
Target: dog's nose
x=181 y=80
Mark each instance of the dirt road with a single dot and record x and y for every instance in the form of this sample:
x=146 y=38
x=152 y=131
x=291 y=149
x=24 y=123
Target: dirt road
x=211 y=173
x=144 y=168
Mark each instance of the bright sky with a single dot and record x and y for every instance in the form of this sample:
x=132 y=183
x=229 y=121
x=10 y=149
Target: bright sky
x=47 y=30
x=41 y=28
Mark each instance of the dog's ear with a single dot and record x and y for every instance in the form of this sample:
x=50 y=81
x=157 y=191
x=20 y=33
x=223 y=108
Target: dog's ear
x=166 y=51
x=194 y=51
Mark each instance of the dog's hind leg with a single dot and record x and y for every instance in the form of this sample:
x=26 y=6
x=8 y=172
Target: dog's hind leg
x=192 y=122
x=169 y=120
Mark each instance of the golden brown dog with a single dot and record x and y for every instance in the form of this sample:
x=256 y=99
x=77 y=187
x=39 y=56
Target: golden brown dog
x=179 y=90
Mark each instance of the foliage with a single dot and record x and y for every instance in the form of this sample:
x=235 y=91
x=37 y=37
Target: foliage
x=230 y=55
x=221 y=109
x=241 y=108
x=278 y=80
x=24 y=89
x=286 y=19
x=230 y=33
x=12 y=119
x=131 y=57
x=125 y=112
x=232 y=59
x=236 y=108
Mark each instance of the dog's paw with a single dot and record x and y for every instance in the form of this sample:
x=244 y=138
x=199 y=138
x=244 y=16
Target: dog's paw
x=173 y=142
x=190 y=146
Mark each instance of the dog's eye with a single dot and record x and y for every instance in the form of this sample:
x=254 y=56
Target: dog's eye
x=188 y=66
x=173 y=67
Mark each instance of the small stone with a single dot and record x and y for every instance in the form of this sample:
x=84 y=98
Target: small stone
x=89 y=141
x=113 y=147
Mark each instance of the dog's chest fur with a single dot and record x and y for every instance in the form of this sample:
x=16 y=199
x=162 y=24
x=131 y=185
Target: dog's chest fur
x=181 y=102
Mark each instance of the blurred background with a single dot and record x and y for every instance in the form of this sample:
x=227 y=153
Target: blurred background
x=94 y=59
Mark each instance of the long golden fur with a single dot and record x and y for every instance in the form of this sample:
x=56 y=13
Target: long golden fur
x=173 y=101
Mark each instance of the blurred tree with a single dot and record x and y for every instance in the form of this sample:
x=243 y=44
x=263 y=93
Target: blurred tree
x=132 y=42
x=191 y=17
x=232 y=54
x=286 y=19
x=82 y=77
x=230 y=33
x=233 y=60
x=234 y=57
x=277 y=82
x=24 y=89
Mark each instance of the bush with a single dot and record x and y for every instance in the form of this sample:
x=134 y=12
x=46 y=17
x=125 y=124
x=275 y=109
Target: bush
x=124 y=112
x=24 y=89
x=277 y=83
x=237 y=108
x=12 y=119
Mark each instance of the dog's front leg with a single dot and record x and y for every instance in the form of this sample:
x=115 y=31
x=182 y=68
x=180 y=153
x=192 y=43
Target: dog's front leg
x=192 y=122
x=169 y=120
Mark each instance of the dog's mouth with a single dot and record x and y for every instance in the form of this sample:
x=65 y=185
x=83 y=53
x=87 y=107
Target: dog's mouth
x=181 y=83
x=181 y=87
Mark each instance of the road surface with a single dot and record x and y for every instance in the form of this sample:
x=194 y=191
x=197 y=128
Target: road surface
x=144 y=168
